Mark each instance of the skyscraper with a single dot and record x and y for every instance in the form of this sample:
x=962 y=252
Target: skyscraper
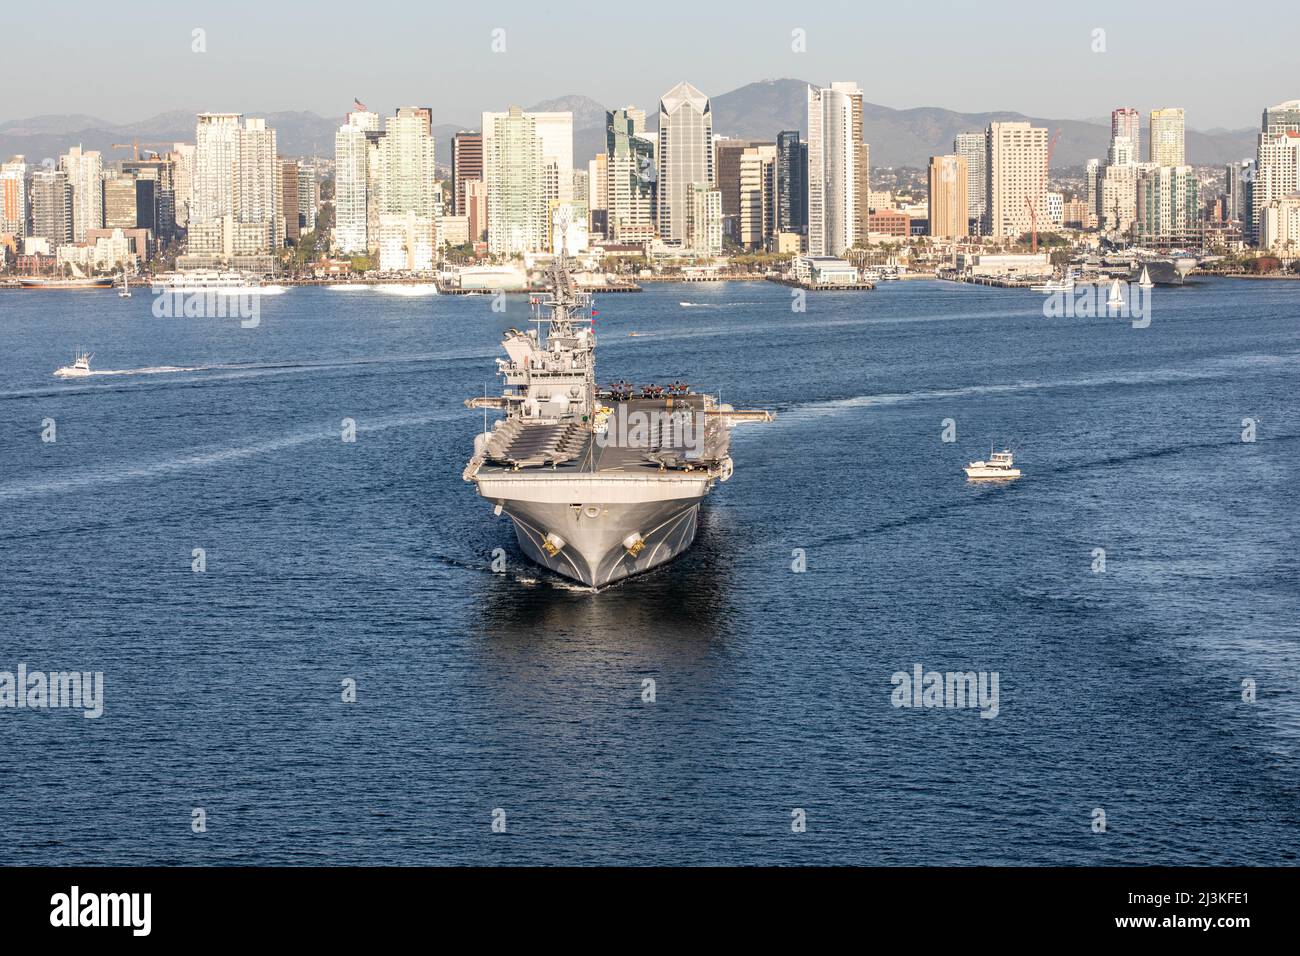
x=289 y=171
x=1277 y=153
x=512 y=173
x=52 y=207
x=1126 y=123
x=407 y=193
x=1168 y=207
x=257 y=189
x=726 y=176
x=704 y=220
x=466 y=164
x=182 y=159
x=838 y=171
x=629 y=191
x=157 y=195
x=555 y=132
x=791 y=183
x=13 y=197
x=971 y=147
x=1167 y=137
x=351 y=183
x=685 y=161
x=216 y=148
x=308 y=197
x=1017 y=177
x=85 y=174
x=949 y=204
x=1235 y=178
x=756 y=216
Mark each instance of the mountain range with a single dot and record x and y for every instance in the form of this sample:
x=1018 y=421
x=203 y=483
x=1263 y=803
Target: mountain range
x=755 y=111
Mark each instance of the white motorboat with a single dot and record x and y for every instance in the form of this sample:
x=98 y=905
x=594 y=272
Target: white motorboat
x=1000 y=465
x=79 y=367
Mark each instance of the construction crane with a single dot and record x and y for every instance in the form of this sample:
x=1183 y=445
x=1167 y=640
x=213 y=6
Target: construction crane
x=135 y=145
x=1033 y=212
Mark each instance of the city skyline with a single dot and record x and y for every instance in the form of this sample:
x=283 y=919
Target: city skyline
x=243 y=70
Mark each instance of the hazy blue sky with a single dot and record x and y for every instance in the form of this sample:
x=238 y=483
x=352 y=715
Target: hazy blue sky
x=128 y=61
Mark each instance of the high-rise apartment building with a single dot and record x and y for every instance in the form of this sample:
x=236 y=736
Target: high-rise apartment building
x=971 y=147
x=1126 y=124
x=466 y=164
x=308 y=197
x=212 y=207
x=791 y=183
x=85 y=171
x=726 y=176
x=1235 y=176
x=289 y=172
x=704 y=220
x=352 y=182
x=257 y=221
x=629 y=192
x=685 y=163
x=407 y=193
x=1167 y=136
x=1017 y=177
x=1276 y=156
x=949 y=203
x=513 y=174
x=555 y=131
x=13 y=197
x=598 y=193
x=757 y=198
x=1168 y=207
x=838 y=170
x=1118 y=203
x=182 y=160
x=52 y=207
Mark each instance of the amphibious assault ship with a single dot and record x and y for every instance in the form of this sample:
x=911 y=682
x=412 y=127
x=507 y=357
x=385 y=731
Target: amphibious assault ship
x=601 y=483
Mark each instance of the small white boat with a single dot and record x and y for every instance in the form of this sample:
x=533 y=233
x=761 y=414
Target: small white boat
x=999 y=466
x=1115 y=298
x=125 y=291
x=1145 y=282
x=1065 y=284
x=79 y=367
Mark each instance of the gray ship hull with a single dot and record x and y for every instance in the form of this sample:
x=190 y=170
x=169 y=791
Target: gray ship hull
x=601 y=528
x=594 y=555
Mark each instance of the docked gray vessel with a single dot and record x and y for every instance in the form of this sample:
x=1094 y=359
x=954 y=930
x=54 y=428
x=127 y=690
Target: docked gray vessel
x=600 y=483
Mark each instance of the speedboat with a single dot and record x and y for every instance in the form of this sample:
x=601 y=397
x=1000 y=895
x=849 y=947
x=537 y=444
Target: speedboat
x=999 y=466
x=79 y=367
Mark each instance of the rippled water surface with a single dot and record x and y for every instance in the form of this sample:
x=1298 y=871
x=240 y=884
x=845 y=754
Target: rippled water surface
x=369 y=561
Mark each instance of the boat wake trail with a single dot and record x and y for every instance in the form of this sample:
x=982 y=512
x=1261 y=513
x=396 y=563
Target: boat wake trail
x=91 y=477
x=152 y=370
x=1218 y=368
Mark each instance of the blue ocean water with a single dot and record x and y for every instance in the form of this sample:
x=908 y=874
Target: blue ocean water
x=369 y=561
